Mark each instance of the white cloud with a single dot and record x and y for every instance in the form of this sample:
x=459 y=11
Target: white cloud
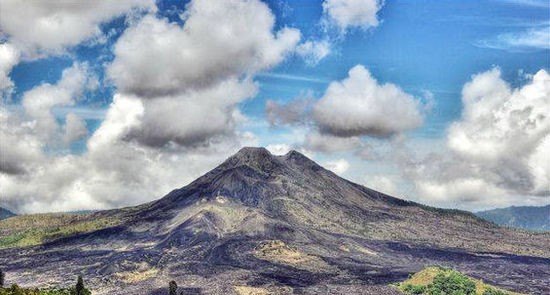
x=217 y=42
x=278 y=149
x=498 y=150
x=313 y=51
x=339 y=166
x=112 y=172
x=382 y=183
x=39 y=27
x=75 y=128
x=353 y=13
x=39 y=101
x=19 y=149
x=194 y=116
x=359 y=105
x=9 y=57
x=329 y=143
x=190 y=78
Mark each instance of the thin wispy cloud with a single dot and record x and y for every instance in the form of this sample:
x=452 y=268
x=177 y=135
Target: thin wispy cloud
x=293 y=77
x=528 y=40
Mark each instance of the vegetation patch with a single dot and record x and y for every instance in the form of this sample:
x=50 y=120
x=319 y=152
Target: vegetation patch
x=31 y=230
x=78 y=289
x=444 y=281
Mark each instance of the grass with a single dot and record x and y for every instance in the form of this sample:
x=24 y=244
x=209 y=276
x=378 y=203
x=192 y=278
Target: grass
x=420 y=282
x=36 y=229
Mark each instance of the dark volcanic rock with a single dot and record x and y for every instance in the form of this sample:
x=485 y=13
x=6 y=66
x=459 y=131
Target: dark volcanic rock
x=281 y=224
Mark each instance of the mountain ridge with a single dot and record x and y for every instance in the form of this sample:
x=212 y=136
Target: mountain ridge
x=5 y=213
x=526 y=217
x=283 y=222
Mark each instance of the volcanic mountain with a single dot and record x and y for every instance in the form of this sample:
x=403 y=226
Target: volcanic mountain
x=281 y=224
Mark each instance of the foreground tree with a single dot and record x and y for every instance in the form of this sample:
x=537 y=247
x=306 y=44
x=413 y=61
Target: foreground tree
x=2 y=277
x=79 y=289
x=172 y=288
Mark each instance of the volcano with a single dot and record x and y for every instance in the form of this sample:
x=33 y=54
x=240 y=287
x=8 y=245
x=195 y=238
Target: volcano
x=279 y=224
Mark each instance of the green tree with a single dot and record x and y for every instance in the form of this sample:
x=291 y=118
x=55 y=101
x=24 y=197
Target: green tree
x=172 y=288
x=79 y=288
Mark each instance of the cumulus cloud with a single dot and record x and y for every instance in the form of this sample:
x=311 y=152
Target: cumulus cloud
x=190 y=78
x=19 y=149
x=156 y=57
x=39 y=27
x=9 y=57
x=39 y=101
x=359 y=105
x=353 y=13
x=192 y=117
x=499 y=147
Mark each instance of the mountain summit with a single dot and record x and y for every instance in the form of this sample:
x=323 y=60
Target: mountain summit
x=282 y=224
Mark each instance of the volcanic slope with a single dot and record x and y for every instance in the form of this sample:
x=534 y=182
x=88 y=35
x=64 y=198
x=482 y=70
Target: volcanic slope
x=281 y=224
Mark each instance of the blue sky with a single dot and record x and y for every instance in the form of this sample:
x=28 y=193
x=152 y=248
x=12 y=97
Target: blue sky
x=429 y=50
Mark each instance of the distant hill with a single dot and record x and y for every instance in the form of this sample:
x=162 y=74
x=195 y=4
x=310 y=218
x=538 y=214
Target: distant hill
x=5 y=213
x=527 y=217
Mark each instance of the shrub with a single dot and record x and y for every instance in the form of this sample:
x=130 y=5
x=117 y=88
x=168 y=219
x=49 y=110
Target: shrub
x=452 y=283
x=172 y=288
x=414 y=289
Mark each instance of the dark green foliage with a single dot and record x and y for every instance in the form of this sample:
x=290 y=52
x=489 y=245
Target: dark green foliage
x=172 y=288
x=453 y=283
x=414 y=289
x=492 y=291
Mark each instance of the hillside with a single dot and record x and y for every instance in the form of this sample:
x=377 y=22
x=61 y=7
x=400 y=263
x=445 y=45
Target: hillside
x=5 y=213
x=278 y=224
x=527 y=217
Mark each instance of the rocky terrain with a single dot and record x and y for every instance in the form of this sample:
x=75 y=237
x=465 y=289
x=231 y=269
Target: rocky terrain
x=526 y=217
x=276 y=224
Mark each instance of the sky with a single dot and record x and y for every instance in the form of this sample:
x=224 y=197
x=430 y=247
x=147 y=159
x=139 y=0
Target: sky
x=106 y=104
